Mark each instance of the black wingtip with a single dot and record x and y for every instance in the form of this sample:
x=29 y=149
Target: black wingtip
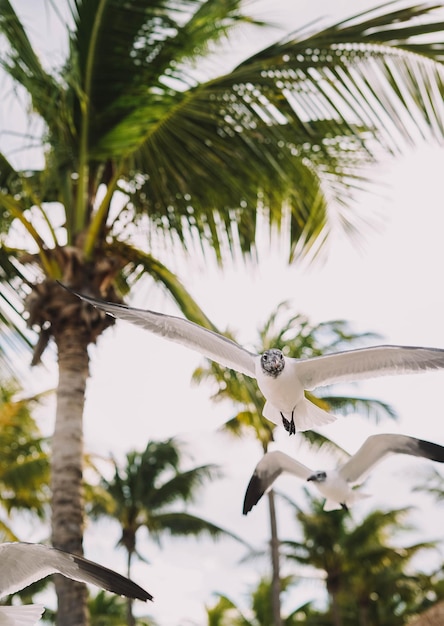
x=253 y=494
x=430 y=450
x=111 y=580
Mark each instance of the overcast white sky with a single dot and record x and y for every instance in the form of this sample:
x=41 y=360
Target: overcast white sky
x=392 y=285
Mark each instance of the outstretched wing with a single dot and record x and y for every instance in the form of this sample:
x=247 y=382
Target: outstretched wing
x=376 y=447
x=24 y=563
x=364 y=363
x=21 y=614
x=267 y=470
x=212 y=345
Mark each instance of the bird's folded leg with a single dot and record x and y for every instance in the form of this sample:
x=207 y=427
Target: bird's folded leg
x=289 y=425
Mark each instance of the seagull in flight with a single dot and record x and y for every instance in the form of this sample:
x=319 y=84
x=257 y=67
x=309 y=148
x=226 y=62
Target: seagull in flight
x=336 y=484
x=22 y=564
x=281 y=379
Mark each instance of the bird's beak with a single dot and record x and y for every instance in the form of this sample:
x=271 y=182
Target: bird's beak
x=312 y=477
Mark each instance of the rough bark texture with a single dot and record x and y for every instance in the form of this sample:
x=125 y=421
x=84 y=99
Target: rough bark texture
x=276 y=576
x=66 y=474
x=130 y=619
x=73 y=325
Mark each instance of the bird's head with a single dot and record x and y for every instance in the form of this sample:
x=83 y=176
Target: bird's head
x=318 y=477
x=272 y=362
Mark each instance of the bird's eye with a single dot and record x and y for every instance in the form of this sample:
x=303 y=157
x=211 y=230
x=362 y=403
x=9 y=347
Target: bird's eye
x=265 y=357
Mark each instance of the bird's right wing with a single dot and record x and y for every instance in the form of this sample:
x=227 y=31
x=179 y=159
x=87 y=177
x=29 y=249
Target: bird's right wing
x=267 y=470
x=377 y=447
x=212 y=345
x=24 y=563
x=364 y=363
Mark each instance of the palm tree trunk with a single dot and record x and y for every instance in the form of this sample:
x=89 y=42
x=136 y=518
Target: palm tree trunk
x=67 y=466
x=335 y=612
x=129 y=603
x=275 y=566
x=363 y=613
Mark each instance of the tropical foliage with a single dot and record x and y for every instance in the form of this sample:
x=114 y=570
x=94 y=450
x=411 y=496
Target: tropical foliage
x=150 y=491
x=109 y=610
x=133 y=142
x=225 y=612
x=24 y=460
x=366 y=570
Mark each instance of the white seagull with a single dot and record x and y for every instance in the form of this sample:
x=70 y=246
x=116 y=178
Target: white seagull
x=22 y=564
x=336 y=484
x=281 y=379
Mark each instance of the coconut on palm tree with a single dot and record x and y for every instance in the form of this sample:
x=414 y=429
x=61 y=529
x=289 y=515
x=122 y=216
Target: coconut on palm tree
x=142 y=154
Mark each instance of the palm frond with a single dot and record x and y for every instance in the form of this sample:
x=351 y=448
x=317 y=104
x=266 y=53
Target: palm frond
x=373 y=69
x=23 y=64
x=432 y=482
x=370 y=408
x=137 y=259
x=126 y=50
x=181 y=524
x=318 y=441
x=183 y=485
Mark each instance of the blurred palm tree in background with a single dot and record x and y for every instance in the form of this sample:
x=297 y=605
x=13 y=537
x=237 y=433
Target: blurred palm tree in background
x=260 y=612
x=366 y=573
x=150 y=491
x=24 y=460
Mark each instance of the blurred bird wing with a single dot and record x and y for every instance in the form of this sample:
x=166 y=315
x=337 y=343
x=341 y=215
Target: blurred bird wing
x=267 y=470
x=377 y=447
x=24 y=563
x=20 y=615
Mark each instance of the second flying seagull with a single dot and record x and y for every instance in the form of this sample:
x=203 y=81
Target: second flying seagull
x=336 y=484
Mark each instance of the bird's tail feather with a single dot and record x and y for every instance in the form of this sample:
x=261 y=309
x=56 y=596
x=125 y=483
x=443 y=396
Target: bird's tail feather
x=25 y=615
x=306 y=416
x=332 y=505
x=312 y=415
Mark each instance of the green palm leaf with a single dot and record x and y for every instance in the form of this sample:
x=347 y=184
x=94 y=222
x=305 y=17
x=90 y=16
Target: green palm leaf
x=183 y=524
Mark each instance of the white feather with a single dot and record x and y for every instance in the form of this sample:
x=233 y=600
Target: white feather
x=335 y=484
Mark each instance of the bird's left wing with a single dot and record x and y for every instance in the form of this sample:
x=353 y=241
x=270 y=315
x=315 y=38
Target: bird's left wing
x=21 y=614
x=267 y=470
x=24 y=563
x=212 y=345
x=363 y=363
x=376 y=447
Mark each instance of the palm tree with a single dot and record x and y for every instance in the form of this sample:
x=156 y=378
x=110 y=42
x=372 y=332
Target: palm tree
x=145 y=492
x=24 y=460
x=133 y=136
x=365 y=575
x=432 y=483
x=298 y=338
x=225 y=612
